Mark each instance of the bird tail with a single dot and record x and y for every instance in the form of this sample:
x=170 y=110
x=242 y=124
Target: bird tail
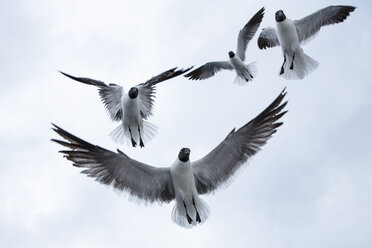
x=122 y=135
x=302 y=65
x=247 y=75
x=179 y=215
x=149 y=131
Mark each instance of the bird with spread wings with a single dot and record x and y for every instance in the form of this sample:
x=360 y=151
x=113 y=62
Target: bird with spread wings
x=290 y=35
x=244 y=72
x=132 y=109
x=184 y=181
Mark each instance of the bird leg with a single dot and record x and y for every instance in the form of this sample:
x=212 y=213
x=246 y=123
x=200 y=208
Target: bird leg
x=197 y=213
x=293 y=57
x=134 y=144
x=246 y=79
x=282 y=69
x=141 y=142
x=250 y=74
x=187 y=215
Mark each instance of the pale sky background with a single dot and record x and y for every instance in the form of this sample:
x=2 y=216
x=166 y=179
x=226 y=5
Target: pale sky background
x=310 y=186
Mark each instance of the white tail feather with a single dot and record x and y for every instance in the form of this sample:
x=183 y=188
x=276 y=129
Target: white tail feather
x=302 y=66
x=179 y=213
x=149 y=131
x=121 y=135
x=248 y=75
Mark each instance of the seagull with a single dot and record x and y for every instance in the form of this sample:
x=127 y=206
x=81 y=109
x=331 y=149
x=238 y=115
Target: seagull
x=184 y=180
x=244 y=72
x=131 y=109
x=290 y=35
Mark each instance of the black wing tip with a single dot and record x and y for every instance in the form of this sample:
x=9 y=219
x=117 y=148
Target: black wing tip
x=168 y=74
x=348 y=8
x=260 y=13
x=179 y=71
x=67 y=75
x=284 y=92
x=63 y=133
x=190 y=74
x=257 y=18
x=186 y=70
x=55 y=128
x=194 y=75
x=342 y=13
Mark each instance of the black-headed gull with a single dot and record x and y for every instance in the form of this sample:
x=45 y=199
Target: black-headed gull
x=291 y=34
x=184 y=181
x=244 y=72
x=131 y=109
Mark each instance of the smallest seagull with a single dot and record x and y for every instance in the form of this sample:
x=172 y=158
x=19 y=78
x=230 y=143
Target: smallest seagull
x=244 y=72
x=133 y=108
x=291 y=34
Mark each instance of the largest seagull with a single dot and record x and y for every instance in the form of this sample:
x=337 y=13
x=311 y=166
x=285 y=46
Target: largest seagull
x=291 y=34
x=131 y=109
x=244 y=72
x=184 y=181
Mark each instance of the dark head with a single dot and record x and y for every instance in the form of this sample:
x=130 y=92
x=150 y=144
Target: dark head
x=133 y=92
x=184 y=154
x=280 y=16
x=231 y=54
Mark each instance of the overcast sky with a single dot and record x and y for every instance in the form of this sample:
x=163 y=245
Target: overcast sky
x=310 y=186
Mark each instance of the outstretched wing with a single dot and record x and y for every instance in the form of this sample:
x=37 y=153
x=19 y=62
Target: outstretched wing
x=221 y=163
x=268 y=38
x=208 y=70
x=117 y=169
x=147 y=90
x=110 y=95
x=247 y=33
x=311 y=24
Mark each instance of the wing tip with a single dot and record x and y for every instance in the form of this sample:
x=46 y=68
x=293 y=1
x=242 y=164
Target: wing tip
x=67 y=75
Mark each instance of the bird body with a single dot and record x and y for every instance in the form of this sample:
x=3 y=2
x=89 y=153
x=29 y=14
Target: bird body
x=244 y=72
x=131 y=111
x=188 y=202
x=132 y=122
x=287 y=36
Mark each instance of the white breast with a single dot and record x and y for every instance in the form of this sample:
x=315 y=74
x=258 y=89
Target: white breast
x=237 y=64
x=131 y=111
x=287 y=35
x=183 y=178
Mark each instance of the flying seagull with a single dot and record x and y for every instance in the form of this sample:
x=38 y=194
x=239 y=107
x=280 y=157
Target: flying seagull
x=290 y=35
x=244 y=72
x=131 y=109
x=184 y=180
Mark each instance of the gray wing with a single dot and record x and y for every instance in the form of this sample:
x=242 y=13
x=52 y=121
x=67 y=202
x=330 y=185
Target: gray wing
x=208 y=70
x=247 y=33
x=117 y=169
x=110 y=95
x=221 y=163
x=147 y=90
x=268 y=38
x=311 y=24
